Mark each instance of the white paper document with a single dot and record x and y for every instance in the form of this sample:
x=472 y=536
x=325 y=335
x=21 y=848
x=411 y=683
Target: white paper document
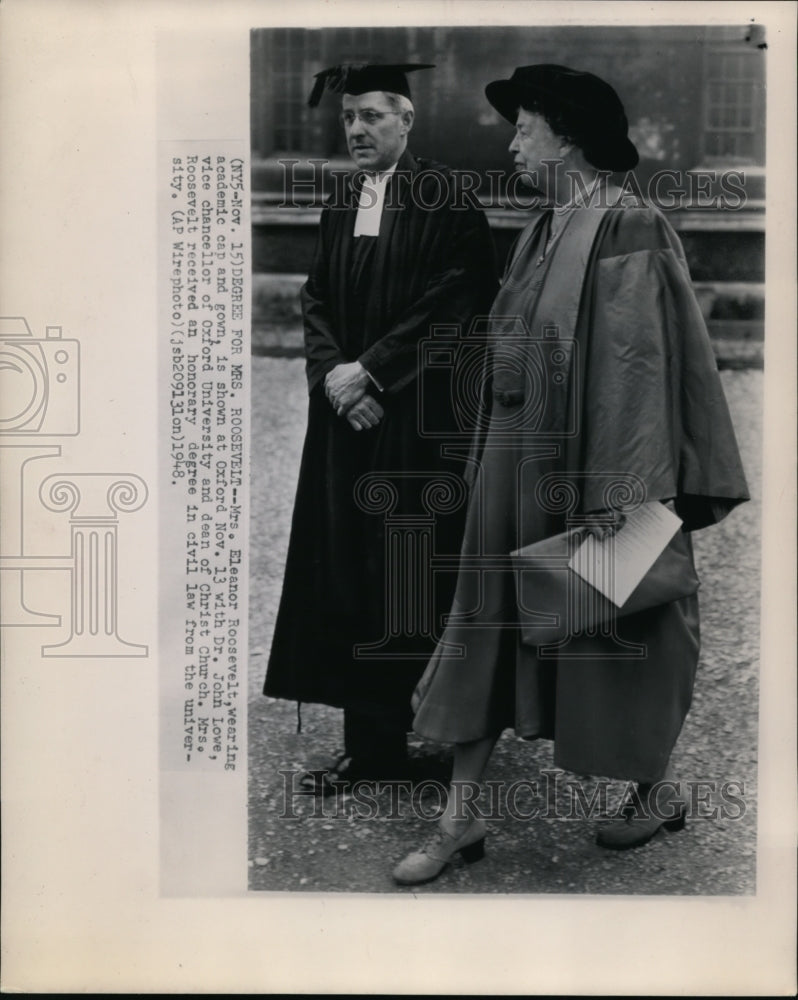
x=616 y=565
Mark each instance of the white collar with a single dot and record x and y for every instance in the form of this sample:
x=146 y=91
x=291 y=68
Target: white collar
x=381 y=177
x=370 y=203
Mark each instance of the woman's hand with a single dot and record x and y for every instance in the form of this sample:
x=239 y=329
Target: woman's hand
x=601 y=525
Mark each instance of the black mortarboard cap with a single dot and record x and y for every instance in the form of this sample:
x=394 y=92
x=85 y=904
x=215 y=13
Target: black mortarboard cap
x=362 y=78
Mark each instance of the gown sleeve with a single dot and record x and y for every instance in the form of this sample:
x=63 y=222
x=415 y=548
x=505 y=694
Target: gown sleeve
x=653 y=403
x=322 y=350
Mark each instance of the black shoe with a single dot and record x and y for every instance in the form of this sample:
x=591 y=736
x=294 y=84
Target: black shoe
x=342 y=771
x=640 y=823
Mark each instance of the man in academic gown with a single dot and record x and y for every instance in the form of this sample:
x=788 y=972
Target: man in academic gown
x=399 y=251
x=608 y=397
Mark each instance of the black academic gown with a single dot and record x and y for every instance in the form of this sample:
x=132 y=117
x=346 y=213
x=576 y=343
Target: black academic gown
x=375 y=299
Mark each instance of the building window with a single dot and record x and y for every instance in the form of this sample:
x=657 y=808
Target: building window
x=294 y=55
x=733 y=110
x=284 y=61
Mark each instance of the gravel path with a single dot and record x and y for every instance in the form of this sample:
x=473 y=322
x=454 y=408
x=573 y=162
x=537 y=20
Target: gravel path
x=332 y=845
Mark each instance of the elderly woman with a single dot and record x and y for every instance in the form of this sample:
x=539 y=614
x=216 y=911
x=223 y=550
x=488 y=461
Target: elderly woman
x=614 y=380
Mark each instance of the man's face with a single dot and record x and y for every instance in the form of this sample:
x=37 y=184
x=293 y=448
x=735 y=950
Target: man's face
x=535 y=142
x=377 y=145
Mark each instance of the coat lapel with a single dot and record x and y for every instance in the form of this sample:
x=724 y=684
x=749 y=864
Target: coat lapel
x=397 y=197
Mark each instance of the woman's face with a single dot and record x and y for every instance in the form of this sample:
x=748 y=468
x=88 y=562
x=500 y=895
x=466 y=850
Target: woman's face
x=534 y=146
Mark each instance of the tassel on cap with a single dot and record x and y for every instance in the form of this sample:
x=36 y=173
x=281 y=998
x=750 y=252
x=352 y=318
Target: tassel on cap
x=362 y=78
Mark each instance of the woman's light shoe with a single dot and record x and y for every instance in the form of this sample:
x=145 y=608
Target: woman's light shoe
x=640 y=823
x=427 y=863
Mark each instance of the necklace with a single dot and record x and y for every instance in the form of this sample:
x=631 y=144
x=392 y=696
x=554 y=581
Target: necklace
x=551 y=239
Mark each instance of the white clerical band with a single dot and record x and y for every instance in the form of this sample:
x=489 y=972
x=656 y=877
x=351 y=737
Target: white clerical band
x=369 y=209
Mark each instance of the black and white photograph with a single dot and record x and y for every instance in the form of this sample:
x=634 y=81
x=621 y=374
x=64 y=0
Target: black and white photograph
x=508 y=287
x=397 y=497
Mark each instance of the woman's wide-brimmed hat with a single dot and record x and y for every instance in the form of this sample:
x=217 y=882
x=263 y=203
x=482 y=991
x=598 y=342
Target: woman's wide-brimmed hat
x=587 y=106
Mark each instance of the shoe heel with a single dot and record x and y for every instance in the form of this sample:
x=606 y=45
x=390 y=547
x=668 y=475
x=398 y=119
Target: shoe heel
x=677 y=823
x=474 y=852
